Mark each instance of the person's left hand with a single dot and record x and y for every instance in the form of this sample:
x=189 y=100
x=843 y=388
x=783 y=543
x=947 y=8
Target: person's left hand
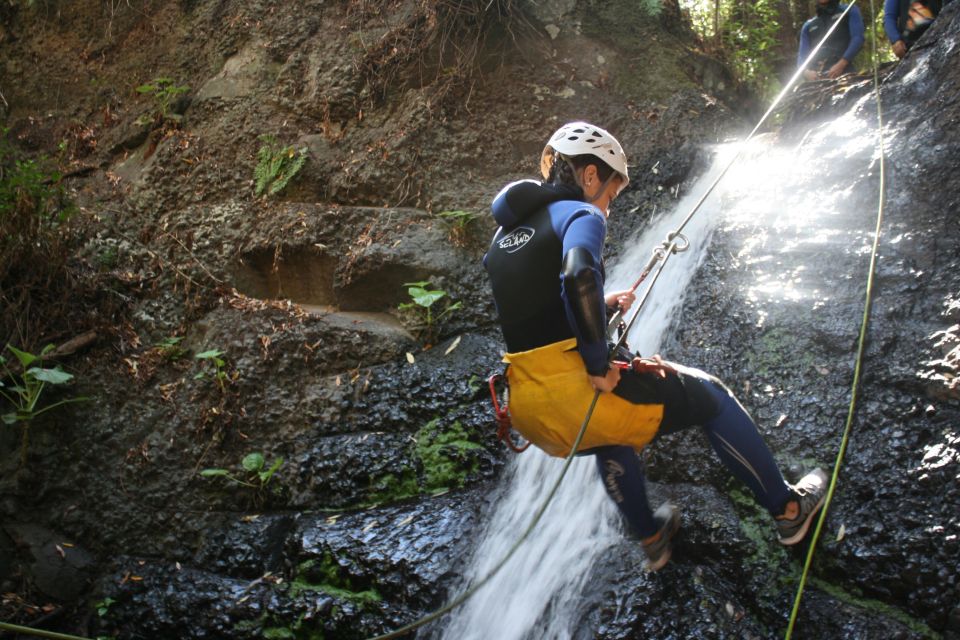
x=653 y=364
x=838 y=69
x=622 y=299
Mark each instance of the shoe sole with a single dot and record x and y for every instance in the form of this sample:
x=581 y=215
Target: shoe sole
x=665 y=556
x=799 y=535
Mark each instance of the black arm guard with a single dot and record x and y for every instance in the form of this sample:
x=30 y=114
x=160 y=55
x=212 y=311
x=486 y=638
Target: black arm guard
x=585 y=297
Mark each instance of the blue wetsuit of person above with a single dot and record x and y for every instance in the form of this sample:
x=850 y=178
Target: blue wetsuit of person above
x=904 y=21
x=546 y=271
x=842 y=45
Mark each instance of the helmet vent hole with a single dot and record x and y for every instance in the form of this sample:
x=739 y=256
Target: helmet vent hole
x=573 y=138
x=591 y=140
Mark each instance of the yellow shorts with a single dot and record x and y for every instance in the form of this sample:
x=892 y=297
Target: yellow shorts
x=550 y=396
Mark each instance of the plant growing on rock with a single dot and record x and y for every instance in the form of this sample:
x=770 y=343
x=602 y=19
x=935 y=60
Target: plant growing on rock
x=27 y=389
x=420 y=311
x=256 y=474
x=170 y=348
x=34 y=211
x=164 y=92
x=459 y=221
x=276 y=166
x=215 y=367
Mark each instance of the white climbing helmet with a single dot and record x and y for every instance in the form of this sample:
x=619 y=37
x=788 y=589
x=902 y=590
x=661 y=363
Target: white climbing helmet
x=577 y=138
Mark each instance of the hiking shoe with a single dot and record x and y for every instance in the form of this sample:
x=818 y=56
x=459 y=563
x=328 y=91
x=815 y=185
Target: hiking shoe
x=810 y=493
x=658 y=549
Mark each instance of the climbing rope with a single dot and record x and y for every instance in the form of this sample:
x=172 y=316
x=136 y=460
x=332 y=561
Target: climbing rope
x=861 y=342
x=42 y=633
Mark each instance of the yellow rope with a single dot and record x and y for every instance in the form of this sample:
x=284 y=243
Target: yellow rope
x=860 y=344
x=43 y=633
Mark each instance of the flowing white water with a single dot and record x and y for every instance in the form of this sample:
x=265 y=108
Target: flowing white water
x=536 y=594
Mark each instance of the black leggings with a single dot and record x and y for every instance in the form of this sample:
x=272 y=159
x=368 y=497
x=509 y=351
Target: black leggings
x=690 y=397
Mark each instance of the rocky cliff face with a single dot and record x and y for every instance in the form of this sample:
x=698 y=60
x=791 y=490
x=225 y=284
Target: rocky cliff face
x=386 y=446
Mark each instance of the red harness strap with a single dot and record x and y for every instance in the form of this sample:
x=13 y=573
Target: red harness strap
x=502 y=416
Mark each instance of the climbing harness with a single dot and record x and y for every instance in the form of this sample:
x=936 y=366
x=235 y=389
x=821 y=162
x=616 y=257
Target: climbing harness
x=501 y=413
x=674 y=243
x=861 y=346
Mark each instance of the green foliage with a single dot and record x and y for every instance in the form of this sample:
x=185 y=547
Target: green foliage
x=212 y=366
x=443 y=454
x=103 y=607
x=881 y=609
x=27 y=389
x=459 y=217
x=444 y=459
x=255 y=475
x=108 y=257
x=420 y=311
x=276 y=166
x=325 y=575
x=164 y=92
x=459 y=222
x=33 y=211
x=751 y=41
x=391 y=488
x=25 y=393
x=171 y=350
x=652 y=8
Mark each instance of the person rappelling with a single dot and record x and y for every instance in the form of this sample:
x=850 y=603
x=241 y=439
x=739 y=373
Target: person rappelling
x=547 y=274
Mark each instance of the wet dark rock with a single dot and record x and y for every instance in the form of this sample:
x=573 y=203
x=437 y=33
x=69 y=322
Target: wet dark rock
x=57 y=567
x=341 y=573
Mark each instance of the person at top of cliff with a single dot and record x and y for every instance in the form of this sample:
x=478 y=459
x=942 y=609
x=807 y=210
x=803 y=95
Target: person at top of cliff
x=836 y=55
x=905 y=21
x=546 y=272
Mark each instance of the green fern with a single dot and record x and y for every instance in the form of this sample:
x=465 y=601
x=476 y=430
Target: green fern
x=276 y=166
x=291 y=165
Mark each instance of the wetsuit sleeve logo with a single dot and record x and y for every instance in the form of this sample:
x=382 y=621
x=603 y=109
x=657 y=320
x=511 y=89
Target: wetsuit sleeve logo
x=516 y=239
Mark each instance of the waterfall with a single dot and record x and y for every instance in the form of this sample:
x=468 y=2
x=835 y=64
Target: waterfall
x=537 y=593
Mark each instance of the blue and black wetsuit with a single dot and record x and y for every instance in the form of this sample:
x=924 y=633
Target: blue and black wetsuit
x=898 y=23
x=547 y=274
x=845 y=41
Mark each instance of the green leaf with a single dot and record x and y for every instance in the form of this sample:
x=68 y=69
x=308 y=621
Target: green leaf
x=53 y=376
x=266 y=475
x=207 y=355
x=26 y=359
x=425 y=298
x=147 y=88
x=421 y=284
x=214 y=473
x=253 y=462
x=9 y=418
